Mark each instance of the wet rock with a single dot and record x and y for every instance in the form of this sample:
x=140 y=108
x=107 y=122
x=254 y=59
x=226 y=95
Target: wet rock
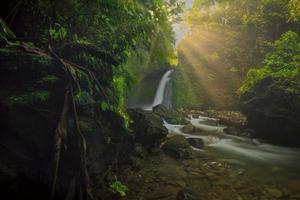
x=178 y=147
x=161 y=110
x=148 y=127
x=196 y=142
x=189 y=128
x=185 y=195
x=171 y=116
x=231 y=118
x=231 y=130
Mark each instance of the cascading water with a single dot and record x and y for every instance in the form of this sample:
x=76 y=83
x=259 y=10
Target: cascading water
x=161 y=95
x=163 y=92
x=258 y=158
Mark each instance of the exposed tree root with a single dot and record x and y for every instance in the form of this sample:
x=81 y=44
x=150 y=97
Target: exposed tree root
x=83 y=181
x=60 y=135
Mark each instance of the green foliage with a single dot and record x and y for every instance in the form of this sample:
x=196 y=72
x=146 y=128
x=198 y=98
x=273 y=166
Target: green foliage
x=49 y=79
x=84 y=98
x=294 y=9
x=122 y=82
x=282 y=62
x=285 y=53
x=104 y=106
x=116 y=187
x=5 y=32
x=58 y=32
x=37 y=96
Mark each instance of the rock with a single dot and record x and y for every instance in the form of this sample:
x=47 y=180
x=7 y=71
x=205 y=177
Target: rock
x=275 y=192
x=139 y=151
x=185 y=195
x=155 y=151
x=178 y=147
x=196 y=142
x=171 y=116
x=271 y=108
x=137 y=162
x=161 y=110
x=231 y=130
x=148 y=127
x=231 y=118
x=188 y=128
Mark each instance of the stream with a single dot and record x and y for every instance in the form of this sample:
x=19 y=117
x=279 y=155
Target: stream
x=259 y=161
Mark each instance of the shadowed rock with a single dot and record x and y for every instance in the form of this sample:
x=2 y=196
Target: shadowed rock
x=178 y=147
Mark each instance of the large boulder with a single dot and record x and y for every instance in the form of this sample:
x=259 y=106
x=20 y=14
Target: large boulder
x=147 y=126
x=178 y=147
x=272 y=108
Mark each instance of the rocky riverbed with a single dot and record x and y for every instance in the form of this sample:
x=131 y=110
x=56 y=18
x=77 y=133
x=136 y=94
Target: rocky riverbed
x=174 y=169
x=163 y=177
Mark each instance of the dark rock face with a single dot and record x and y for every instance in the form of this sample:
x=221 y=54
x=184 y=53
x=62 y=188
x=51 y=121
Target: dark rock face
x=148 y=127
x=178 y=147
x=273 y=108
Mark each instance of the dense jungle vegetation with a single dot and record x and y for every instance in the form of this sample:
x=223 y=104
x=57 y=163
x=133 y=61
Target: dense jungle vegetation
x=226 y=125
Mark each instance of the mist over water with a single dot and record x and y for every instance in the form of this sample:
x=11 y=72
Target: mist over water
x=260 y=160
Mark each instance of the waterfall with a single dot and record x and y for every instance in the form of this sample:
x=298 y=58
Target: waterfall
x=164 y=91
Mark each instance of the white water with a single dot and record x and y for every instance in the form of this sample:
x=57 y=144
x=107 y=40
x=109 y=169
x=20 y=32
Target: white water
x=161 y=89
x=259 y=158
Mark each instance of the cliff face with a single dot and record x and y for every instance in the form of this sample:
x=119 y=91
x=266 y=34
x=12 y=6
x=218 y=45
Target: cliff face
x=273 y=108
x=39 y=137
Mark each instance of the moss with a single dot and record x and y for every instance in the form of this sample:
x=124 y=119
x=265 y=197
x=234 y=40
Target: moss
x=49 y=79
x=38 y=96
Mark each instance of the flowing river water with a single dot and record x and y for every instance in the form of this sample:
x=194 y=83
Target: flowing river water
x=259 y=161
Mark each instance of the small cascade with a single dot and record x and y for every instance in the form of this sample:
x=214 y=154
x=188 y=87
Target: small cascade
x=164 y=91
